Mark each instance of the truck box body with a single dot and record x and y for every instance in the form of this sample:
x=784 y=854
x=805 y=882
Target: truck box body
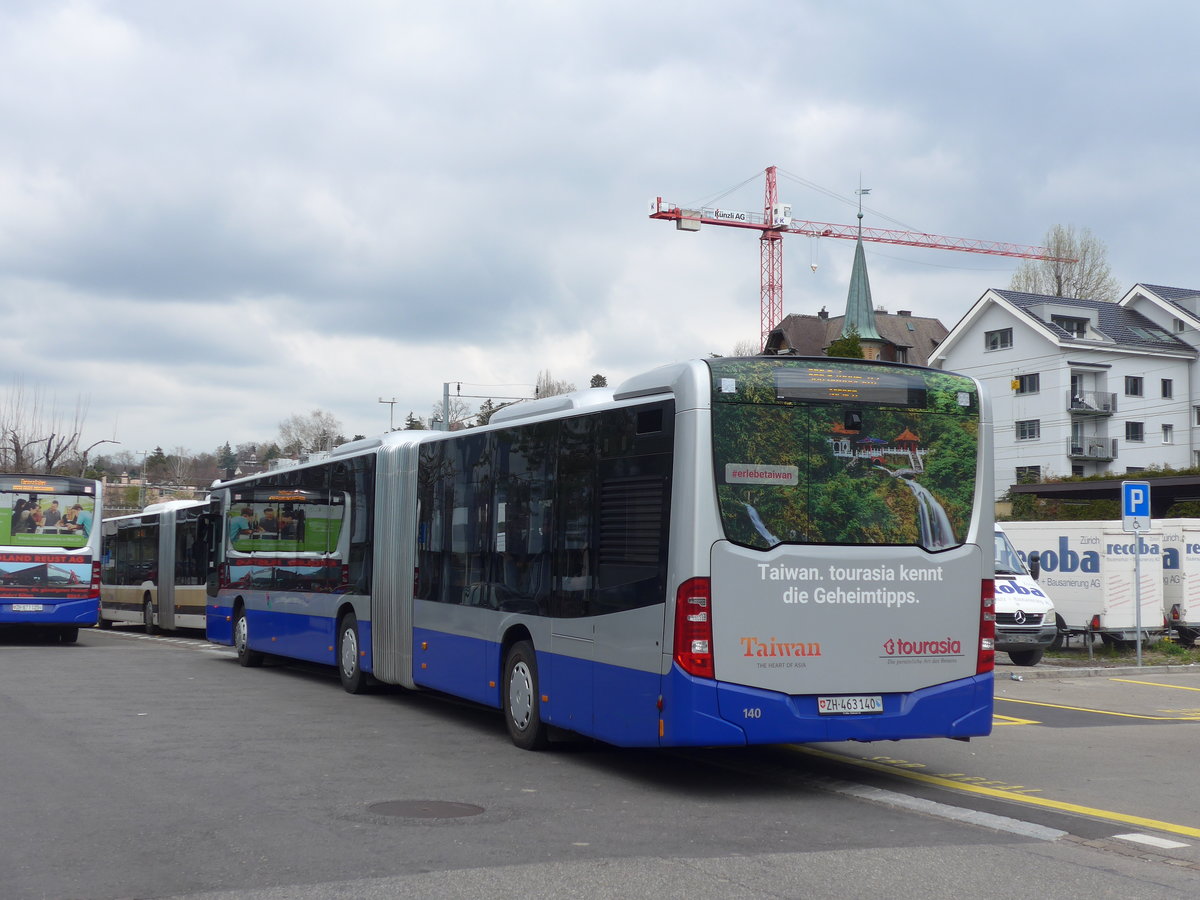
x=1088 y=568
x=1181 y=576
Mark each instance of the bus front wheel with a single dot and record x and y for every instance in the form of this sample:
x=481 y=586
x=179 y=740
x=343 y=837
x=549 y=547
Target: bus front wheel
x=241 y=641
x=354 y=679
x=522 y=704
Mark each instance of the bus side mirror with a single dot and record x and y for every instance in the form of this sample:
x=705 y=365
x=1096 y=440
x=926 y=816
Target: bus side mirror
x=1035 y=564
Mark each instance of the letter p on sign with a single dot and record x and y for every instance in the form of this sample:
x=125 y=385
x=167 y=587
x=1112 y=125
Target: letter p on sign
x=1135 y=505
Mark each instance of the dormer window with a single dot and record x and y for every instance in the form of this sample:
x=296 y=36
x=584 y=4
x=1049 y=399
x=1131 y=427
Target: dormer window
x=1071 y=325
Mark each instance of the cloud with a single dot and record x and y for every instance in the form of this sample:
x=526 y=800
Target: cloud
x=215 y=215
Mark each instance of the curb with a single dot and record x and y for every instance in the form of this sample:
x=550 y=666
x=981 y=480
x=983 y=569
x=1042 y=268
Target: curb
x=1051 y=671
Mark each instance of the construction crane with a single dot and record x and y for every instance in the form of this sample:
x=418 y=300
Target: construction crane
x=776 y=220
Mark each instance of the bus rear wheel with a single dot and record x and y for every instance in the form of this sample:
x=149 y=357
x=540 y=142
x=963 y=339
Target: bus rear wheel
x=522 y=703
x=68 y=635
x=354 y=679
x=148 y=617
x=241 y=641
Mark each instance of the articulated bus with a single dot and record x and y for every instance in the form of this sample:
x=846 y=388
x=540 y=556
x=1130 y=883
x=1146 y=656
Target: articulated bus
x=156 y=565
x=718 y=552
x=50 y=553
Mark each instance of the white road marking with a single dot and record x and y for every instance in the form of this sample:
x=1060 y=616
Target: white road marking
x=1151 y=840
x=945 y=811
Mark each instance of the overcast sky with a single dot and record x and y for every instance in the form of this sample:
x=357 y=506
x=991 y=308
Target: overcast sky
x=214 y=215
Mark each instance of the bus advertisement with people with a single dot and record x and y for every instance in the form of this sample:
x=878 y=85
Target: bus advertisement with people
x=50 y=552
x=155 y=566
x=719 y=552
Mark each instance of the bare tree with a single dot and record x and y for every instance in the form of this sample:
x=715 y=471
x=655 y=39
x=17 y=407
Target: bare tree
x=179 y=466
x=1088 y=278
x=36 y=436
x=548 y=386
x=319 y=430
x=459 y=412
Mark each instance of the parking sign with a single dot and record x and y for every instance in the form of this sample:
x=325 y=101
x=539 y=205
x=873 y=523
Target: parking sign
x=1135 y=505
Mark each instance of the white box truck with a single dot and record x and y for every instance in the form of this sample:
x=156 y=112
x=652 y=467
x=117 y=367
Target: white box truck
x=1088 y=568
x=1025 y=619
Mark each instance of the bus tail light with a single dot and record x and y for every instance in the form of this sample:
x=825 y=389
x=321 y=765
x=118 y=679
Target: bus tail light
x=693 y=627
x=987 y=628
x=95 y=578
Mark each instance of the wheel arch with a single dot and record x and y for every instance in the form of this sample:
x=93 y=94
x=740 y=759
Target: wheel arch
x=513 y=635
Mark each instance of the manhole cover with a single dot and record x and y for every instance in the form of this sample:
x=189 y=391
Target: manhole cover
x=425 y=809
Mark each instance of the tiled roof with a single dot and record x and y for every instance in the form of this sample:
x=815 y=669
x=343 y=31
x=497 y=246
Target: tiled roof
x=1174 y=295
x=1120 y=324
x=810 y=335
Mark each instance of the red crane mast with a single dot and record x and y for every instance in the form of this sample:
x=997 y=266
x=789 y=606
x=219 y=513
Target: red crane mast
x=776 y=220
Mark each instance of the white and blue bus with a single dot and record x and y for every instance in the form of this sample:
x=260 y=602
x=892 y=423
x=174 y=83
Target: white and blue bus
x=156 y=565
x=718 y=552
x=50 y=553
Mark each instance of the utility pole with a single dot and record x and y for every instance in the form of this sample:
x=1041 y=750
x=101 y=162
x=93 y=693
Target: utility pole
x=391 y=412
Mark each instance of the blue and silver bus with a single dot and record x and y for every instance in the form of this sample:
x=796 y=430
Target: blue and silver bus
x=156 y=565
x=50 y=553
x=718 y=552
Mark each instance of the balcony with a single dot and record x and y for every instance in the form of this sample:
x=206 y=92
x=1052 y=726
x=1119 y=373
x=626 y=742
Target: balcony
x=1101 y=449
x=1091 y=403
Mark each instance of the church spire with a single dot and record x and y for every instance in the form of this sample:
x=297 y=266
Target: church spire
x=860 y=311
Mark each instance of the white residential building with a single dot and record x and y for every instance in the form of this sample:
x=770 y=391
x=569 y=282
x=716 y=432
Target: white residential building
x=1084 y=387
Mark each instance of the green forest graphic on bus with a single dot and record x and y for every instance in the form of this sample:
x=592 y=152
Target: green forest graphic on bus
x=829 y=451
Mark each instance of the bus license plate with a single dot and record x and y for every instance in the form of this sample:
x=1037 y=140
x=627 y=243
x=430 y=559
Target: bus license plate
x=27 y=607
x=850 y=705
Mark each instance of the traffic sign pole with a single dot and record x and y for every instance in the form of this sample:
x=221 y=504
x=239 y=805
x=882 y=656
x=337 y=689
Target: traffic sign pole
x=1135 y=510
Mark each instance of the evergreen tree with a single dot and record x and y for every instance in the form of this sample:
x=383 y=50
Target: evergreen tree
x=847 y=347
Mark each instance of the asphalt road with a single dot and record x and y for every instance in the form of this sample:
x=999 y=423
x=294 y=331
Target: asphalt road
x=156 y=767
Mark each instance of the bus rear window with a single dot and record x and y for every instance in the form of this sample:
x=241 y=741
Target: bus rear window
x=841 y=452
x=46 y=511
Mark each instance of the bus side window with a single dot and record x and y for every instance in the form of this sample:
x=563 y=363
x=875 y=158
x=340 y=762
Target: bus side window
x=574 y=561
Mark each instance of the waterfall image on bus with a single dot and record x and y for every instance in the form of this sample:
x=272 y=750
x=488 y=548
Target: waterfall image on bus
x=717 y=552
x=50 y=553
x=155 y=566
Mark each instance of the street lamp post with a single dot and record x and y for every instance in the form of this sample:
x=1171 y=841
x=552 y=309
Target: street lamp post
x=391 y=412
x=142 y=486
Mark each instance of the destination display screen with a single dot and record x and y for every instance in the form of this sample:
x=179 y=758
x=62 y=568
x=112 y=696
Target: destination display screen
x=49 y=485
x=830 y=384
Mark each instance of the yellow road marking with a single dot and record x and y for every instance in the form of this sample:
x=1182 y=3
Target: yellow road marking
x=998 y=719
x=1058 y=805
x=1102 y=712
x=1178 y=687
